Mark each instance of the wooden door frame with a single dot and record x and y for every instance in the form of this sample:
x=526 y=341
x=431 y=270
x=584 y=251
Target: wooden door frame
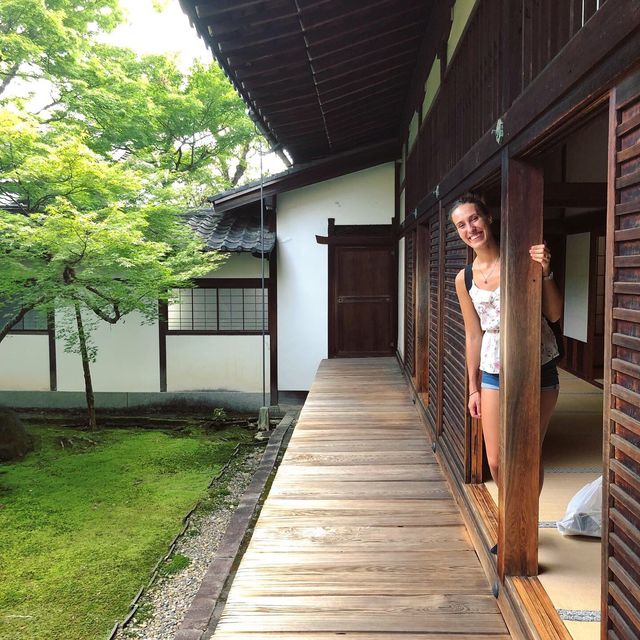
x=363 y=236
x=520 y=311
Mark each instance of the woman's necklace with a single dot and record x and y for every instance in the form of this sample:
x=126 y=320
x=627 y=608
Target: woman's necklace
x=486 y=276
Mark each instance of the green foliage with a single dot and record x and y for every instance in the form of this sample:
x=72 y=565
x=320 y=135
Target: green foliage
x=219 y=415
x=43 y=39
x=92 y=236
x=175 y=564
x=191 y=127
x=81 y=529
x=99 y=177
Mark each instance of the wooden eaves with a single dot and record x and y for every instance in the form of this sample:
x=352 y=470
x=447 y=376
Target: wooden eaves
x=320 y=77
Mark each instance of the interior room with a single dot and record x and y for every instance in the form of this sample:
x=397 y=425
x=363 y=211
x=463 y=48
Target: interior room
x=575 y=171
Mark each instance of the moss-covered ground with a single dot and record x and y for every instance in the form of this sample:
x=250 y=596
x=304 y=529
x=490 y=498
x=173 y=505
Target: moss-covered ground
x=82 y=526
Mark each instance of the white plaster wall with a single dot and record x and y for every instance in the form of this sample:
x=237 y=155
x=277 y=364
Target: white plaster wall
x=401 y=298
x=24 y=363
x=363 y=197
x=431 y=87
x=128 y=358
x=462 y=10
x=215 y=363
x=576 y=300
x=240 y=265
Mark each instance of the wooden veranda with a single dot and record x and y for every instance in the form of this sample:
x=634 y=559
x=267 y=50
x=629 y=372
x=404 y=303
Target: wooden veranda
x=360 y=535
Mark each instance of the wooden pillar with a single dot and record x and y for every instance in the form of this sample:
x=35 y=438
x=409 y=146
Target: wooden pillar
x=442 y=222
x=163 y=326
x=520 y=313
x=422 y=310
x=272 y=319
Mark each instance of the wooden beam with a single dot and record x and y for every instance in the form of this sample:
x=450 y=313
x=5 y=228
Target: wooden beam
x=340 y=143
x=273 y=320
x=324 y=169
x=163 y=327
x=376 y=22
x=284 y=75
x=520 y=314
x=379 y=109
x=248 y=38
x=342 y=102
x=575 y=194
x=361 y=50
x=422 y=309
x=328 y=46
x=268 y=98
x=442 y=263
x=511 y=77
x=438 y=28
x=403 y=59
x=340 y=94
x=567 y=194
x=333 y=19
x=576 y=80
x=53 y=366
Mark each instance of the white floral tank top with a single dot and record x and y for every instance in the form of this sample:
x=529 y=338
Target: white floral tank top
x=487 y=305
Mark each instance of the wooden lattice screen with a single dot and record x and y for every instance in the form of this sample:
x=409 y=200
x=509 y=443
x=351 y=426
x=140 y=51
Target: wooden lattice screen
x=410 y=302
x=454 y=387
x=433 y=320
x=621 y=533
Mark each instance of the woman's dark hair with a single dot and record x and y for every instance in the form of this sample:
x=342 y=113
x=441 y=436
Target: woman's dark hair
x=470 y=198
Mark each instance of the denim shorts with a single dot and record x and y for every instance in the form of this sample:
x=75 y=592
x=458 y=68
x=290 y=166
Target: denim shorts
x=548 y=378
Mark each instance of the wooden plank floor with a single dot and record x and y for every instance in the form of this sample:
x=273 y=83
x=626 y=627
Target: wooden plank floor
x=360 y=536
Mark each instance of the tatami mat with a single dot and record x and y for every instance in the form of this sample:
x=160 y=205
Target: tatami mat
x=570 y=570
x=583 y=630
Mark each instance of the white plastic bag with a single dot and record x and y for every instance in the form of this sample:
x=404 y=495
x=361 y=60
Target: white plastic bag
x=584 y=512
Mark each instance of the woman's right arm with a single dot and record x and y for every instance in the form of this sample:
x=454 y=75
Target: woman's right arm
x=473 y=341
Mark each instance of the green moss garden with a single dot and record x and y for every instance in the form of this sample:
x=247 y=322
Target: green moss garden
x=85 y=517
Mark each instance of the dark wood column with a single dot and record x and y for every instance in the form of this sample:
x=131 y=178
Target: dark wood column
x=163 y=325
x=520 y=312
x=422 y=311
x=442 y=223
x=273 y=326
x=53 y=367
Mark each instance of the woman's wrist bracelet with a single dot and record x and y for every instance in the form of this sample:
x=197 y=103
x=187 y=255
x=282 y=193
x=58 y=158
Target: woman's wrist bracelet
x=474 y=392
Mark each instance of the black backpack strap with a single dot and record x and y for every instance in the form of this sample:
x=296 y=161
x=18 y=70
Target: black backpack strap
x=468 y=276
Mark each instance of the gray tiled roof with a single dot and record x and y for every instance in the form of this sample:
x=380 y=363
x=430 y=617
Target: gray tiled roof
x=231 y=230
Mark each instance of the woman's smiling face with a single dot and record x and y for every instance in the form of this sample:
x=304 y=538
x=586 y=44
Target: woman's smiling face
x=472 y=226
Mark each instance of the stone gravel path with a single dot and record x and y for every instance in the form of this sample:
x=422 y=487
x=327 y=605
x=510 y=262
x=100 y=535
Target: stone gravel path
x=164 y=606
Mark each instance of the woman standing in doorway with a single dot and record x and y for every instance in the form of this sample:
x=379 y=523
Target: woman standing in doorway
x=478 y=289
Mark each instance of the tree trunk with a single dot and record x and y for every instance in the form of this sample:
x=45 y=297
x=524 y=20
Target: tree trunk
x=10 y=75
x=88 y=386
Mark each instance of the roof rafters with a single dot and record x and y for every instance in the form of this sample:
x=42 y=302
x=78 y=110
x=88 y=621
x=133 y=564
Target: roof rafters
x=320 y=75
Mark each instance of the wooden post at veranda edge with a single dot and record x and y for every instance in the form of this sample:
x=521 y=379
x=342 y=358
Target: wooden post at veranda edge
x=520 y=312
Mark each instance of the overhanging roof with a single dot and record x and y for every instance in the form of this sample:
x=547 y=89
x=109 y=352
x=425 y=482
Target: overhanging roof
x=235 y=232
x=304 y=174
x=321 y=76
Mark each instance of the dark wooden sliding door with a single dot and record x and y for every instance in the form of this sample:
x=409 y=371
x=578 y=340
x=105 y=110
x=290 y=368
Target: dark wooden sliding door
x=621 y=527
x=362 y=293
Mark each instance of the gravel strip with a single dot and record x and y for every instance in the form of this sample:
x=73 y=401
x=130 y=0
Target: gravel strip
x=163 y=607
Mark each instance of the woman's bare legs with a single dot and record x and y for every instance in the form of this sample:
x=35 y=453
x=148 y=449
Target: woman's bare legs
x=490 y=408
x=548 y=401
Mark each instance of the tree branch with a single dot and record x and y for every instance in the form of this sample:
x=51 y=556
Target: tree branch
x=99 y=312
x=8 y=77
x=13 y=321
x=242 y=165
